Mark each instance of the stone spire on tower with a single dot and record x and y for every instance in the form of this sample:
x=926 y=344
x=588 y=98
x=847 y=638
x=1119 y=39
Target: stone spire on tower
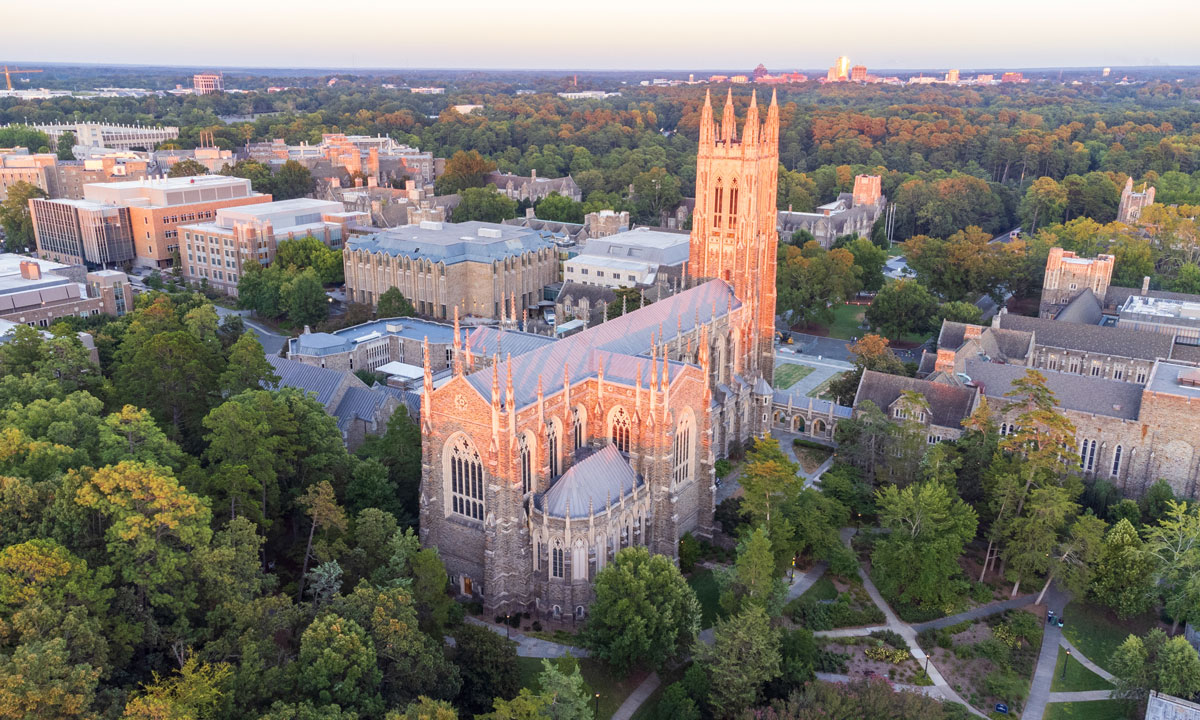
x=750 y=130
x=728 y=125
x=708 y=135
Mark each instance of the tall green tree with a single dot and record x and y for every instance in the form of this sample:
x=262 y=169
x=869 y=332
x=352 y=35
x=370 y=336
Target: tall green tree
x=655 y=193
x=1043 y=204
x=293 y=180
x=15 y=217
x=337 y=665
x=392 y=303
x=1124 y=577
x=63 y=148
x=917 y=561
x=901 y=308
x=1036 y=532
x=485 y=204
x=644 y=613
x=1174 y=543
x=753 y=579
x=488 y=663
x=1155 y=662
x=303 y=298
x=247 y=367
x=187 y=167
x=743 y=658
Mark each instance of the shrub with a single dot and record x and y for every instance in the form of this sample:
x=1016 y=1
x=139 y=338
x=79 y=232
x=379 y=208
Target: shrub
x=722 y=467
x=891 y=638
x=981 y=592
x=995 y=650
x=1026 y=626
x=729 y=514
x=831 y=661
x=1007 y=686
x=537 y=626
x=689 y=552
x=883 y=653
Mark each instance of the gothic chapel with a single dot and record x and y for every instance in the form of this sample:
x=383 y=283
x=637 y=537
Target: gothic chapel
x=539 y=467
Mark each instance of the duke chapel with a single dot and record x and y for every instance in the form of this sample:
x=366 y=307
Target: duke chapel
x=539 y=467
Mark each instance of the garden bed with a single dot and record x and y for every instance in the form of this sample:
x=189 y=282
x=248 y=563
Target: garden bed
x=812 y=458
x=989 y=661
x=834 y=603
x=882 y=654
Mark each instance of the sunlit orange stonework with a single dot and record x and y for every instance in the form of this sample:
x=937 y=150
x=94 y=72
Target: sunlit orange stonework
x=538 y=467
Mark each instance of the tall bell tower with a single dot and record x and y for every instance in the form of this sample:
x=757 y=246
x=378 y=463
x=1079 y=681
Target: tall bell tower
x=734 y=234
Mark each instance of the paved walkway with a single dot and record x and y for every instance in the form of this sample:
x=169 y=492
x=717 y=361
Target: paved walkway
x=1076 y=655
x=1080 y=696
x=800 y=585
x=639 y=695
x=976 y=613
x=531 y=646
x=272 y=342
x=1043 y=674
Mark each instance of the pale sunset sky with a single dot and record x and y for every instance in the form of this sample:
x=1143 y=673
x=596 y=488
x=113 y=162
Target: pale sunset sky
x=609 y=34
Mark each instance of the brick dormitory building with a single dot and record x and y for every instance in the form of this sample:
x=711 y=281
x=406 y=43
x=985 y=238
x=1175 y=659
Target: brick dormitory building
x=1122 y=363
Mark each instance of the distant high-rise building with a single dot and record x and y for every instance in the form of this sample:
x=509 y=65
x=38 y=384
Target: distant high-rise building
x=1106 y=72
x=840 y=70
x=858 y=73
x=1012 y=77
x=951 y=76
x=985 y=79
x=207 y=83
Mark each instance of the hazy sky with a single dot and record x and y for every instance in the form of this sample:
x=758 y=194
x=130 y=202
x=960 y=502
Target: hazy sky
x=617 y=34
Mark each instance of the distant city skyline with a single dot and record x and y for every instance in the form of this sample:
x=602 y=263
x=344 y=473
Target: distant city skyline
x=618 y=35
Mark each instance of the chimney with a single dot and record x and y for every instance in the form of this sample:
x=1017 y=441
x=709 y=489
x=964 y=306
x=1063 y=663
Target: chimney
x=31 y=270
x=307 y=330
x=1145 y=284
x=533 y=173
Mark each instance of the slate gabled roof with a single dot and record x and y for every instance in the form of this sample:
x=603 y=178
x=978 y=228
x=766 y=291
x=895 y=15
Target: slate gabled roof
x=322 y=382
x=1100 y=339
x=1082 y=393
x=620 y=344
x=602 y=477
x=949 y=404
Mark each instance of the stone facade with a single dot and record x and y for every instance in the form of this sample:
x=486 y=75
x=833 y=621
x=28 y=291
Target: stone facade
x=1133 y=203
x=539 y=467
x=442 y=266
x=1067 y=275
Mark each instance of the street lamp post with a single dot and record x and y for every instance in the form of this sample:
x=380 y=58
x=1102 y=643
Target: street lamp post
x=1066 y=661
x=507 y=626
x=597 y=710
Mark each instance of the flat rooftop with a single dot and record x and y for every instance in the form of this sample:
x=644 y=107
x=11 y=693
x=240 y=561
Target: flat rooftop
x=1161 y=307
x=452 y=243
x=1172 y=379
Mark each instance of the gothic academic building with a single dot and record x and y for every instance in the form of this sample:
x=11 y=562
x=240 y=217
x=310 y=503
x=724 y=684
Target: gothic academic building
x=541 y=462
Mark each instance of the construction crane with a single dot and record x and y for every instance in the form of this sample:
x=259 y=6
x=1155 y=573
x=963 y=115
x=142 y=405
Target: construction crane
x=14 y=71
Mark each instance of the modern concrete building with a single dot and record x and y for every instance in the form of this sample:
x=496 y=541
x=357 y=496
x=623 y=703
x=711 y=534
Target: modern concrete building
x=486 y=270
x=82 y=232
x=151 y=211
x=628 y=259
x=119 y=137
x=37 y=292
x=208 y=83
x=217 y=251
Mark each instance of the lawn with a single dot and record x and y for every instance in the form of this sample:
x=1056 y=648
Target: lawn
x=846 y=321
x=788 y=374
x=1078 y=677
x=666 y=678
x=1091 y=710
x=613 y=689
x=705 y=584
x=1097 y=632
x=822 y=391
x=822 y=589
